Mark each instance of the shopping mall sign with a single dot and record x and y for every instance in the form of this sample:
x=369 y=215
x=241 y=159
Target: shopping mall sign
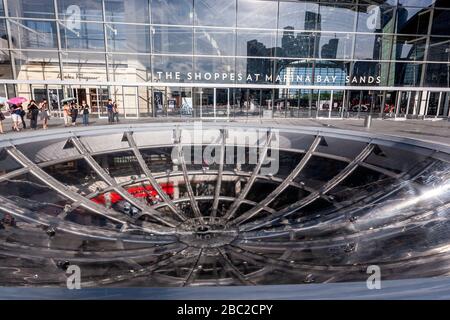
x=264 y=78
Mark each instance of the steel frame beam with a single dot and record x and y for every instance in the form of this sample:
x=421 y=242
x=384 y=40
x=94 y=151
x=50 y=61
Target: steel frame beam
x=275 y=193
x=262 y=156
x=146 y=210
x=313 y=196
x=151 y=178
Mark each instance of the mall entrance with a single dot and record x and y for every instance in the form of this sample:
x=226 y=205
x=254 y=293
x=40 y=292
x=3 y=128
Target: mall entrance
x=243 y=102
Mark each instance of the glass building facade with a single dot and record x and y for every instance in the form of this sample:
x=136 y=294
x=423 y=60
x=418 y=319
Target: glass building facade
x=231 y=58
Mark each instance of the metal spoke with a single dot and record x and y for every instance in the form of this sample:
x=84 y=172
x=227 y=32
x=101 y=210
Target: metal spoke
x=219 y=175
x=264 y=203
x=194 y=204
x=146 y=210
x=191 y=274
x=152 y=179
x=313 y=196
x=262 y=156
x=235 y=271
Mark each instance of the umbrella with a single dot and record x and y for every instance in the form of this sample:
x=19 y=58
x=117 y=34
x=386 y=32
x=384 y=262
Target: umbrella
x=68 y=99
x=3 y=100
x=17 y=100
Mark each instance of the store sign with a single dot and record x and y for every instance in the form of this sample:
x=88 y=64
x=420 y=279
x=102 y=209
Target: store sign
x=258 y=78
x=79 y=76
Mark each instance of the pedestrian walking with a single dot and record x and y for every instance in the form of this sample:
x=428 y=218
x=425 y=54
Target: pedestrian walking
x=110 y=109
x=66 y=114
x=74 y=113
x=85 y=112
x=2 y=117
x=32 y=115
x=44 y=113
x=115 y=112
x=22 y=115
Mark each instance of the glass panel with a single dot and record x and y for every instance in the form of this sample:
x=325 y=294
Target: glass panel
x=220 y=70
x=36 y=65
x=336 y=17
x=120 y=165
x=31 y=9
x=439 y=49
x=335 y=46
x=257 y=14
x=172 y=12
x=220 y=42
x=407 y=74
x=220 y=13
x=135 y=11
x=71 y=11
x=256 y=43
x=129 y=67
x=416 y=3
x=172 y=69
x=128 y=38
x=372 y=47
x=32 y=194
x=7 y=163
x=33 y=34
x=298 y=45
x=409 y=48
x=437 y=75
x=130 y=102
x=77 y=174
x=440 y=23
x=298 y=15
x=377 y=19
x=88 y=36
x=172 y=40
x=254 y=70
x=412 y=20
x=84 y=66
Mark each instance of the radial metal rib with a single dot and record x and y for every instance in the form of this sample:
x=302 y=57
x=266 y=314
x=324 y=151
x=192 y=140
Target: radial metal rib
x=194 y=204
x=239 y=275
x=63 y=190
x=190 y=276
x=146 y=210
x=152 y=179
x=313 y=196
x=219 y=176
x=232 y=210
x=264 y=203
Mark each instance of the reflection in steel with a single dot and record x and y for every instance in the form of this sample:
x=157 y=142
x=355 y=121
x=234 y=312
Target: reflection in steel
x=130 y=216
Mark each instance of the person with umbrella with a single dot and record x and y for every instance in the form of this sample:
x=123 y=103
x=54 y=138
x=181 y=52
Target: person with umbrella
x=74 y=113
x=17 y=112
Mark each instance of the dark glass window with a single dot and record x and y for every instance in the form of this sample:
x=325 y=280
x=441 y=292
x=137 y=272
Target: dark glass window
x=441 y=23
x=439 y=49
x=437 y=75
x=412 y=20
